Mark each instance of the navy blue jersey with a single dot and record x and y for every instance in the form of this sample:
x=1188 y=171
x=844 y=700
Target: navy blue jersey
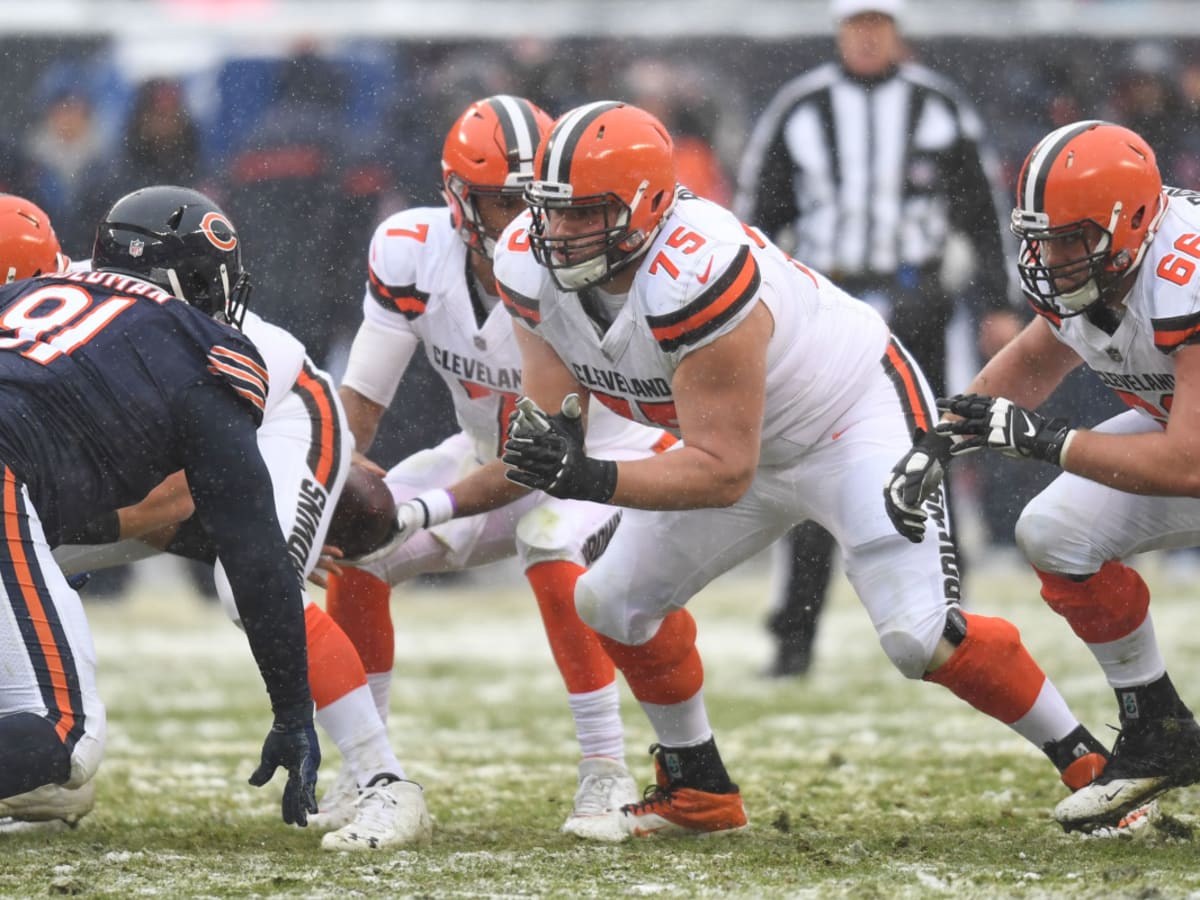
x=92 y=369
x=107 y=385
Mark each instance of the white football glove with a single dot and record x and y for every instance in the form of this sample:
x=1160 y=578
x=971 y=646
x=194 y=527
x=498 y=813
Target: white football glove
x=913 y=480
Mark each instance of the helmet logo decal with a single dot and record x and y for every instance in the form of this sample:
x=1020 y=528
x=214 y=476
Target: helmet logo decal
x=225 y=238
x=136 y=247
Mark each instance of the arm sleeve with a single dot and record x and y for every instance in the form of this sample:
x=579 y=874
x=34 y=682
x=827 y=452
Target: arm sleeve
x=379 y=357
x=235 y=504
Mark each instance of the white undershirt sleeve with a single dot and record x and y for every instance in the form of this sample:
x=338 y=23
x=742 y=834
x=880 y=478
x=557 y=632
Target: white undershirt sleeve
x=378 y=358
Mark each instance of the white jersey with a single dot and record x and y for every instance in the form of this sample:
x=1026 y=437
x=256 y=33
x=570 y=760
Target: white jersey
x=1162 y=314
x=699 y=279
x=420 y=289
x=284 y=355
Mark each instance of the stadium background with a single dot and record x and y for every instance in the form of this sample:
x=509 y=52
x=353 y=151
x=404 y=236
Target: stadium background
x=314 y=120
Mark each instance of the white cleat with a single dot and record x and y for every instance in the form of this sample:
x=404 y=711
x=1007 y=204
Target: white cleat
x=390 y=812
x=338 y=804
x=604 y=787
x=49 y=803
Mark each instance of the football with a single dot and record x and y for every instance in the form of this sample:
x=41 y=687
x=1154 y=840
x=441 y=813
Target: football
x=364 y=516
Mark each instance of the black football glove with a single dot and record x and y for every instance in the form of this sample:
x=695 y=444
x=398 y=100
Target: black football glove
x=292 y=743
x=913 y=479
x=546 y=453
x=1001 y=425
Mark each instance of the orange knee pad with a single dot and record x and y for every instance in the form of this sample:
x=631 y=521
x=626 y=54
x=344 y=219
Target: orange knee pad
x=667 y=668
x=992 y=670
x=1109 y=605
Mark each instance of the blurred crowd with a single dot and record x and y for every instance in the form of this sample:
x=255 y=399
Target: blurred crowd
x=309 y=148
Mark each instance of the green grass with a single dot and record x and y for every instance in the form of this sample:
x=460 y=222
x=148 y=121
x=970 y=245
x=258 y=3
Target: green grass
x=858 y=783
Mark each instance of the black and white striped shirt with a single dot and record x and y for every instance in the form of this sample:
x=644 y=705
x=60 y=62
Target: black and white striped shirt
x=872 y=176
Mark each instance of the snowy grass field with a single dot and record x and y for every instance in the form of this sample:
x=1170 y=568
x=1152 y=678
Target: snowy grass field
x=858 y=783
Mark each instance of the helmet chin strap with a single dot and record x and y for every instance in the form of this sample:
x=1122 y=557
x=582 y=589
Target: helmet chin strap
x=176 y=287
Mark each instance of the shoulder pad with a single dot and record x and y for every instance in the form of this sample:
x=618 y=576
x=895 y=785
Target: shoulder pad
x=400 y=245
x=701 y=296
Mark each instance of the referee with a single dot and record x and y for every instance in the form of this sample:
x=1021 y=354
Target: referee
x=863 y=168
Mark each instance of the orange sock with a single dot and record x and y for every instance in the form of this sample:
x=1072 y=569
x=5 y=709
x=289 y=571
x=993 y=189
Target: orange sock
x=361 y=604
x=667 y=668
x=992 y=670
x=1106 y=607
x=334 y=669
x=584 y=665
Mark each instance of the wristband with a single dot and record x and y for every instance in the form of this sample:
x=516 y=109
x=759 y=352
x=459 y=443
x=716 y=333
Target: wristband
x=438 y=505
x=1062 y=451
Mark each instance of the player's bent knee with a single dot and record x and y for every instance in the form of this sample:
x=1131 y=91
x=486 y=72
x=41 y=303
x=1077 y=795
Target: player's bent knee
x=89 y=752
x=1046 y=542
x=594 y=613
x=908 y=653
x=613 y=617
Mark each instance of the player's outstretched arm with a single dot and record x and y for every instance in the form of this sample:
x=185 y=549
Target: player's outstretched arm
x=363 y=417
x=232 y=490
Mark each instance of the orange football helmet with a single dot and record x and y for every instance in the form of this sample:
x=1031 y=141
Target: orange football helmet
x=1089 y=201
x=28 y=244
x=615 y=162
x=489 y=150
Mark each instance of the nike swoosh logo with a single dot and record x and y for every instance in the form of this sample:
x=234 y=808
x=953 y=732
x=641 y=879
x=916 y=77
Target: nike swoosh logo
x=1114 y=794
x=1030 y=431
x=703 y=279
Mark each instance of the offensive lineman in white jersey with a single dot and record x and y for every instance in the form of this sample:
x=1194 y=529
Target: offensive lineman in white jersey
x=305 y=443
x=1109 y=260
x=431 y=285
x=792 y=401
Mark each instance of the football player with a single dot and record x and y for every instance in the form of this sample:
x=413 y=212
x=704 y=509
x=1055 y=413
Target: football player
x=28 y=244
x=791 y=399
x=110 y=383
x=1108 y=260
x=431 y=285
x=306 y=447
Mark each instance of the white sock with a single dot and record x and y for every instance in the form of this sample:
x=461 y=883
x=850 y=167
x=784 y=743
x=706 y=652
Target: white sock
x=380 y=684
x=598 y=727
x=680 y=724
x=354 y=726
x=1049 y=719
x=1132 y=660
